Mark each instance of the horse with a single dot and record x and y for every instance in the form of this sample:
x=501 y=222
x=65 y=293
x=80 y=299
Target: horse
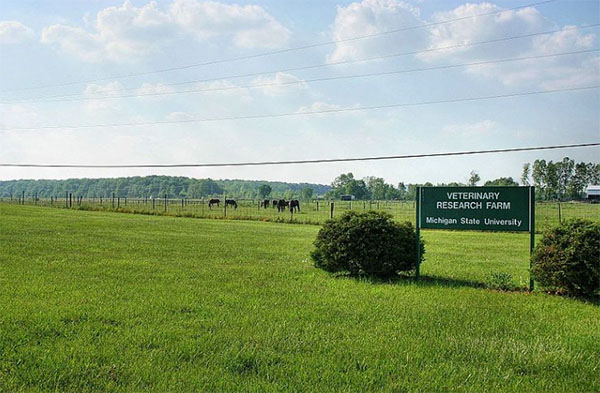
x=213 y=202
x=282 y=204
x=275 y=203
x=294 y=204
x=231 y=202
x=265 y=203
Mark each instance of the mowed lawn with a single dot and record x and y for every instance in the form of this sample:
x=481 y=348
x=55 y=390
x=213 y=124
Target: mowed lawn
x=93 y=301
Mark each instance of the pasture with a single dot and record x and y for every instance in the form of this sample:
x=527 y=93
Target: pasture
x=99 y=301
x=548 y=214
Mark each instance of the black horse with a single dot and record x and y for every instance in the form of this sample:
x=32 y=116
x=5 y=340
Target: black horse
x=265 y=203
x=213 y=202
x=231 y=202
x=275 y=203
x=294 y=204
x=282 y=204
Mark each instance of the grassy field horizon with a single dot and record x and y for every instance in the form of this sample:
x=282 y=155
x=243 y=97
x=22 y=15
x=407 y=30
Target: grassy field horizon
x=101 y=301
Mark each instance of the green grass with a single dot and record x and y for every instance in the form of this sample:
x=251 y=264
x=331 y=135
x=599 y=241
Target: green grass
x=547 y=213
x=98 y=301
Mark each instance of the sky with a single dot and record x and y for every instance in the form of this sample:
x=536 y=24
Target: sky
x=60 y=60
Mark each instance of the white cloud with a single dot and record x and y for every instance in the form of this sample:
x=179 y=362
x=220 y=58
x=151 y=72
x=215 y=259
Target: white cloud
x=248 y=26
x=128 y=32
x=119 y=33
x=370 y=17
x=154 y=88
x=13 y=32
x=318 y=106
x=17 y=116
x=481 y=128
x=550 y=72
x=280 y=84
x=94 y=90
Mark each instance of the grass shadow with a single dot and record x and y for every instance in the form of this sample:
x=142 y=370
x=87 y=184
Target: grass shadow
x=424 y=280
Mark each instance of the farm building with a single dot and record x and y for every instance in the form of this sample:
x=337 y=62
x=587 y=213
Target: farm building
x=593 y=193
x=347 y=197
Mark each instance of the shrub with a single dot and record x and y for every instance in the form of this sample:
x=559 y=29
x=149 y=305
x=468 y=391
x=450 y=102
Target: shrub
x=568 y=258
x=500 y=281
x=366 y=244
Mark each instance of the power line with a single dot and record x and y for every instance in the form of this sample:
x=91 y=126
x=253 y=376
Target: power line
x=330 y=78
x=300 y=68
x=247 y=57
x=316 y=161
x=325 y=111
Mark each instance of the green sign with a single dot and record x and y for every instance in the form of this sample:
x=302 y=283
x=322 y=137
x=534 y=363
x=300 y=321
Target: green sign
x=477 y=208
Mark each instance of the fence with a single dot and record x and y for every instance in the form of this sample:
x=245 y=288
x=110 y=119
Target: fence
x=314 y=212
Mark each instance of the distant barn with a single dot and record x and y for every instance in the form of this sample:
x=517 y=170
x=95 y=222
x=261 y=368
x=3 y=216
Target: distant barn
x=347 y=197
x=593 y=193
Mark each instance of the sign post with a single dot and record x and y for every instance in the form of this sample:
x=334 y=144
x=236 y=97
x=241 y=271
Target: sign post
x=418 y=230
x=531 y=231
x=509 y=209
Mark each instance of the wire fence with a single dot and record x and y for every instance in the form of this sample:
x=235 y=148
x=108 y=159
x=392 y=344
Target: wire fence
x=548 y=214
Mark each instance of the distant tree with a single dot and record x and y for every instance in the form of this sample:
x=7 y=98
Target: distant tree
x=401 y=191
x=593 y=174
x=502 y=181
x=264 y=190
x=564 y=173
x=525 y=174
x=578 y=182
x=306 y=193
x=538 y=174
x=377 y=187
x=209 y=187
x=474 y=179
x=288 y=194
x=346 y=184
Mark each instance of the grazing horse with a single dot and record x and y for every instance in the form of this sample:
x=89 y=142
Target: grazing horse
x=282 y=204
x=275 y=203
x=231 y=202
x=265 y=203
x=213 y=202
x=294 y=204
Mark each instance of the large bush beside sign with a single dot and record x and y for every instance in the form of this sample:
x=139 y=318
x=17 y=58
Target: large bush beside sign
x=568 y=258
x=368 y=244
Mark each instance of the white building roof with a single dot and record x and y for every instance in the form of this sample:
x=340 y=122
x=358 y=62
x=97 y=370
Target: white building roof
x=593 y=190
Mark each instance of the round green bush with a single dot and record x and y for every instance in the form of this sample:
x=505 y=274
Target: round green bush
x=368 y=244
x=568 y=258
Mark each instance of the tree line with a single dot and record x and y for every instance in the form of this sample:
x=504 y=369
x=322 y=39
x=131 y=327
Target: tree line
x=157 y=187
x=561 y=180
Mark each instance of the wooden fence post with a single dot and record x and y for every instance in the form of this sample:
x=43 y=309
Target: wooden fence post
x=331 y=213
x=559 y=213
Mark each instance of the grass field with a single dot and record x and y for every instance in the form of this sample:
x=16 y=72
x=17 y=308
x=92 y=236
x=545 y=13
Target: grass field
x=548 y=214
x=99 y=301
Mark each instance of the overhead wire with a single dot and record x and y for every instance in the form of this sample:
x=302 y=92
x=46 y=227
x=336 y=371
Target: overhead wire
x=305 y=113
x=280 y=51
x=313 y=66
x=323 y=79
x=315 y=161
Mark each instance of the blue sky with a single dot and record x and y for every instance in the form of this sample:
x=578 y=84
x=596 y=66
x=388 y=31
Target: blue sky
x=58 y=42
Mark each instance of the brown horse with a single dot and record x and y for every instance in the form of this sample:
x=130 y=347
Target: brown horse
x=231 y=202
x=294 y=204
x=282 y=204
x=213 y=202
